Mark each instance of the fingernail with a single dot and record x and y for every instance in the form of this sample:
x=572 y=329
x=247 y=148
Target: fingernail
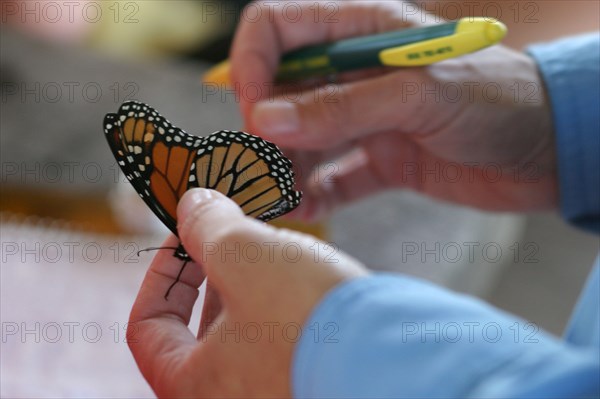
x=276 y=118
x=191 y=200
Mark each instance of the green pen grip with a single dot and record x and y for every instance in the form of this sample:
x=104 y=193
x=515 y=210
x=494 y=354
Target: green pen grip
x=350 y=54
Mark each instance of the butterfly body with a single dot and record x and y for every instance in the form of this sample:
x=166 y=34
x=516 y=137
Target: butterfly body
x=162 y=162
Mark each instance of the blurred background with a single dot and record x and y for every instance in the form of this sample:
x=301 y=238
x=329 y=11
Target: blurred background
x=70 y=225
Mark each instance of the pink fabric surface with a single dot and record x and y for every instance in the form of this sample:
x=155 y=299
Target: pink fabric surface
x=65 y=301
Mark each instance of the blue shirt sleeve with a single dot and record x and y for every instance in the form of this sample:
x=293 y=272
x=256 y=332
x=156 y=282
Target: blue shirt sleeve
x=571 y=72
x=388 y=336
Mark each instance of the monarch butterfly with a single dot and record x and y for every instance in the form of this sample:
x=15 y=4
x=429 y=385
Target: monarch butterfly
x=162 y=162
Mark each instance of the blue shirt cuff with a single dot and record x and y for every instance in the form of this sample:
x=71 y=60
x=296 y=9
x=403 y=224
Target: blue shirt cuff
x=571 y=73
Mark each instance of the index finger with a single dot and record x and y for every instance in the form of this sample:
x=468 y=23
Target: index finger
x=158 y=336
x=266 y=31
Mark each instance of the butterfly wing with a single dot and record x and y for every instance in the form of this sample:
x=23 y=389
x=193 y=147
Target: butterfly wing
x=251 y=171
x=154 y=155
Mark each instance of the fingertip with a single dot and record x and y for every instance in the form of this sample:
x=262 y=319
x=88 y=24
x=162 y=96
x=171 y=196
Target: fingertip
x=203 y=215
x=276 y=118
x=191 y=200
x=206 y=204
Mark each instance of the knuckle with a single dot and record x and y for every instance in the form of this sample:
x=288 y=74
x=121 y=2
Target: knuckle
x=231 y=235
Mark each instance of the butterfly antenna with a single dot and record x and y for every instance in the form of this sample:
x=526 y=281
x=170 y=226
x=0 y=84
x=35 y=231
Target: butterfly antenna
x=153 y=249
x=176 y=280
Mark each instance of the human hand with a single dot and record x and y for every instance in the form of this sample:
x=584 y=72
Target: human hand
x=260 y=278
x=476 y=130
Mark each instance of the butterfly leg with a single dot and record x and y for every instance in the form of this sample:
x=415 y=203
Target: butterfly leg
x=176 y=280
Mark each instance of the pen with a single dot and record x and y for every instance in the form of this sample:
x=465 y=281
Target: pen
x=401 y=48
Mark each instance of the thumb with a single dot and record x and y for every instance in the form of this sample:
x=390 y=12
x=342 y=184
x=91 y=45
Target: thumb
x=237 y=252
x=249 y=262
x=214 y=231
x=336 y=113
